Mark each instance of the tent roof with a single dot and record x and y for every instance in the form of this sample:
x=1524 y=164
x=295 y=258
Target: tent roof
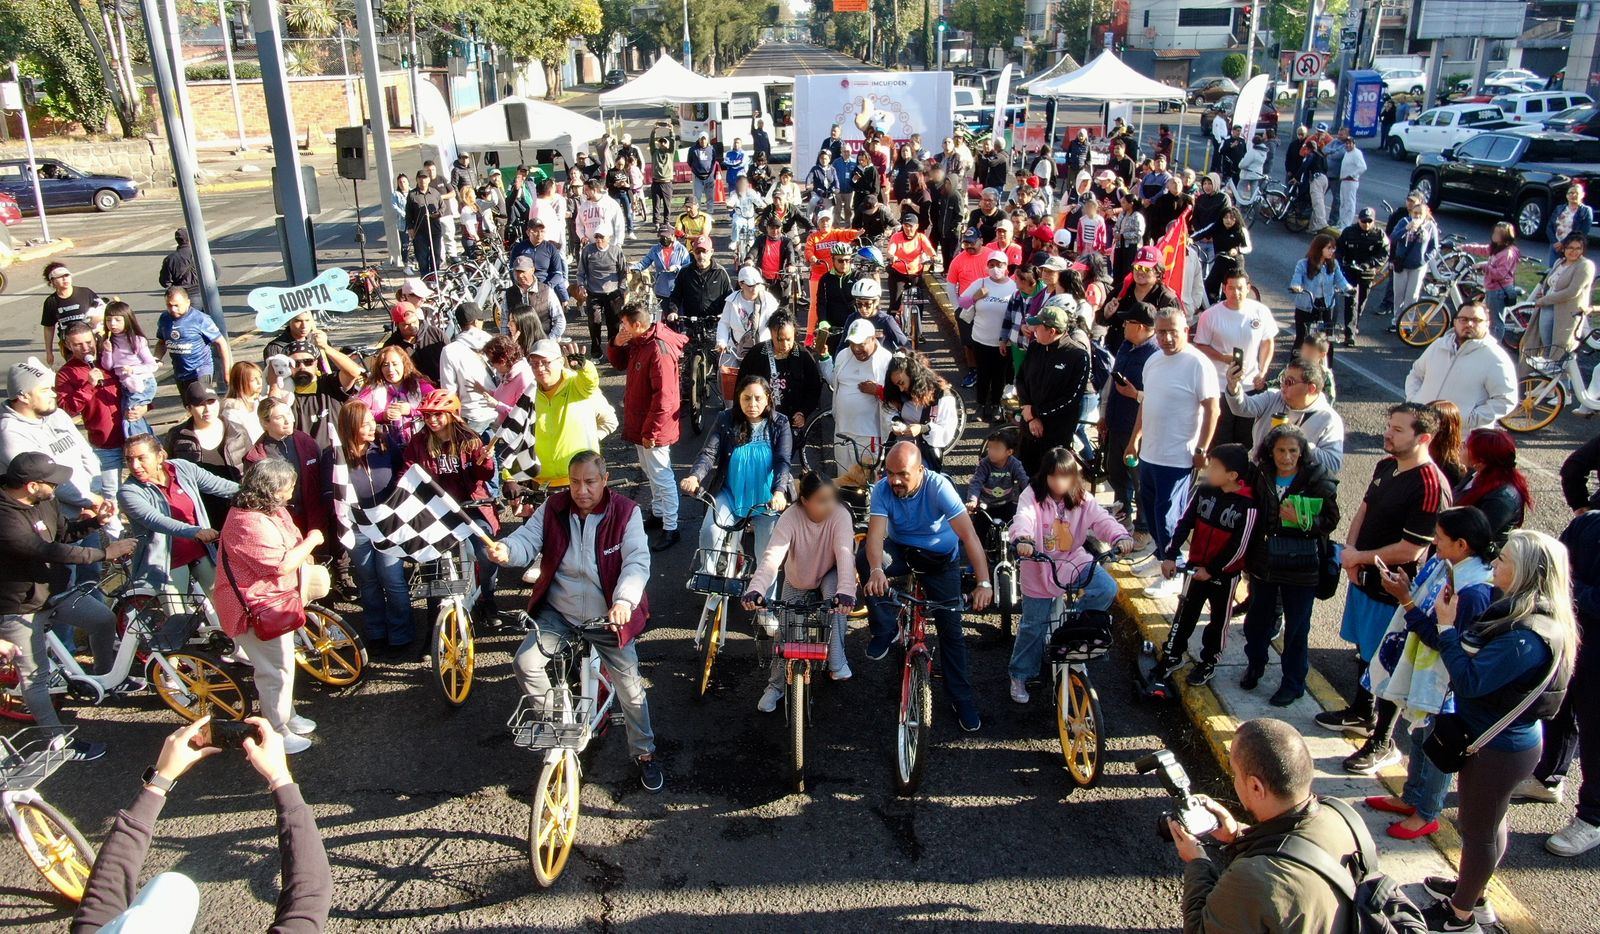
x=1107 y=78
x=1064 y=65
x=552 y=125
x=665 y=82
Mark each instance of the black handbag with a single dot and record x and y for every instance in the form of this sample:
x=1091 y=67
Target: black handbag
x=1293 y=556
x=1450 y=744
x=1328 y=573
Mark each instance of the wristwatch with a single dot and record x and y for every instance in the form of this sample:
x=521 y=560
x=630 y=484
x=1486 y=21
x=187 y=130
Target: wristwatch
x=159 y=782
x=985 y=585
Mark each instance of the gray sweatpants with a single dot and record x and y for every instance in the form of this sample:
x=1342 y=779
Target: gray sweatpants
x=532 y=661
x=84 y=611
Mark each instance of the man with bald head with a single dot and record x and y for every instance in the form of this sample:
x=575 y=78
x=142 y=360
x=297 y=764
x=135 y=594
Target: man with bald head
x=918 y=523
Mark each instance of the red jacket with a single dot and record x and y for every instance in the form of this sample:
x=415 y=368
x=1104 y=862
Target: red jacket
x=650 y=394
x=311 y=509
x=615 y=513
x=100 y=406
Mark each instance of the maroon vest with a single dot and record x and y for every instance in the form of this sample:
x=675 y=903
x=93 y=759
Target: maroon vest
x=615 y=513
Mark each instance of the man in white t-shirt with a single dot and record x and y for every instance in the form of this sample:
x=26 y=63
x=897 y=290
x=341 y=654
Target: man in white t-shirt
x=1237 y=323
x=1177 y=417
x=857 y=375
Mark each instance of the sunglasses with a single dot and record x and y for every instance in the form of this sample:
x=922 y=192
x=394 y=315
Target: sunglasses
x=1141 y=267
x=304 y=362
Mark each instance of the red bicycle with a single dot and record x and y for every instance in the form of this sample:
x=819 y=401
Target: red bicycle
x=915 y=721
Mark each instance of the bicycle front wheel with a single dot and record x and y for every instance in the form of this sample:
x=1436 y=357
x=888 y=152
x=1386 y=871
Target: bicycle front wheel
x=916 y=722
x=797 y=710
x=329 y=649
x=201 y=686
x=1274 y=204
x=54 y=847
x=554 y=823
x=1083 y=742
x=453 y=654
x=710 y=643
x=1423 y=321
x=1539 y=400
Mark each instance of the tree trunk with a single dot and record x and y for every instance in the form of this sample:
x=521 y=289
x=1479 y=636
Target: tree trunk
x=119 y=102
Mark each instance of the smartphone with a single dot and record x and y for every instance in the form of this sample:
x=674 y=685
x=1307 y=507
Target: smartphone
x=225 y=734
x=1120 y=378
x=1377 y=562
x=1238 y=357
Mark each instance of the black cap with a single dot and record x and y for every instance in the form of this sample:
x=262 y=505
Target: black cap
x=198 y=392
x=34 y=467
x=467 y=312
x=1138 y=313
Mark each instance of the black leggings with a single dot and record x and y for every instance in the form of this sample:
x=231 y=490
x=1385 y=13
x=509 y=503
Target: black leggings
x=899 y=282
x=1483 y=793
x=994 y=368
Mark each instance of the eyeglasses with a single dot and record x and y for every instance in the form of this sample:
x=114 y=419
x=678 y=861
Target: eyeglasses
x=1285 y=381
x=1472 y=319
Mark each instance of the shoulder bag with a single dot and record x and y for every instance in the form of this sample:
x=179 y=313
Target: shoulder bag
x=267 y=621
x=1450 y=744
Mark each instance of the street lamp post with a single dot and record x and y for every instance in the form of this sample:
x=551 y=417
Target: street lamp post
x=233 y=78
x=688 y=50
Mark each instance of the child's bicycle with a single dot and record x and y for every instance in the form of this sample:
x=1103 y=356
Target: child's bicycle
x=722 y=576
x=49 y=840
x=804 y=631
x=1003 y=573
x=559 y=726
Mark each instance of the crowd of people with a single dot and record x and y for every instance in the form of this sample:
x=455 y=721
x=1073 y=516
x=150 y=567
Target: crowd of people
x=1093 y=369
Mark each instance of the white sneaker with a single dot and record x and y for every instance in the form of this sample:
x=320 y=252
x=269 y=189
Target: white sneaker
x=293 y=743
x=1163 y=588
x=769 y=699
x=1575 y=839
x=1019 y=691
x=1531 y=789
x=842 y=673
x=301 y=726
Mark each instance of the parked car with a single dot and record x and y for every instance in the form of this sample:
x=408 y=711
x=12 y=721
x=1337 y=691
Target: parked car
x=614 y=78
x=1441 y=128
x=1516 y=74
x=1266 y=120
x=1518 y=174
x=1207 y=90
x=1535 y=106
x=1583 y=120
x=1405 y=81
x=64 y=186
x=1326 y=88
x=10 y=212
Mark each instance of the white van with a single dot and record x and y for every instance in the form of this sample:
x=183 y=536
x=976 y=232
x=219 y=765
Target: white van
x=1535 y=107
x=771 y=96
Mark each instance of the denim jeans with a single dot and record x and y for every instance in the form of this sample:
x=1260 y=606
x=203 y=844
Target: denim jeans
x=530 y=664
x=385 y=601
x=838 y=621
x=1039 y=612
x=1498 y=301
x=108 y=482
x=704 y=188
x=1156 y=483
x=941 y=581
x=656 y=463
x=714 y=538
x=1426 y=786
x=1298 y=601
x=28 y=633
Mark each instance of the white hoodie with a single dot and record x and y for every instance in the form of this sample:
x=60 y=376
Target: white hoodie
x=57 y=436
x=1479 y=378
x=461 y=364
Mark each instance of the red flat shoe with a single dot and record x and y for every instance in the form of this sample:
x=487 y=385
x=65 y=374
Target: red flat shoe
x=1381 y=803
x=1400 y=833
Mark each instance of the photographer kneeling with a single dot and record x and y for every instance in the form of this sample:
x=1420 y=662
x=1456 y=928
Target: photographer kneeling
x=1245 y=885
x=112 y=901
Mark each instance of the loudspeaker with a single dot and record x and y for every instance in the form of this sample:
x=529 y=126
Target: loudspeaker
x=351 y=142
x=517 y=128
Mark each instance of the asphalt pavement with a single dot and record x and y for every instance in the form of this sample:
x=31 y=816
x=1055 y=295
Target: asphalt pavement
x=424 y=811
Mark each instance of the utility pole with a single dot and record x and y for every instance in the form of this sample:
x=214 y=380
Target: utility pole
x=299 y=252
x=27 y=138
x=688 y=49
x=233 y=78
x=1250 y=43
x=1310 y=43
x=180 y=73
x=379 y=123
x=182 y=160
x=419 y=125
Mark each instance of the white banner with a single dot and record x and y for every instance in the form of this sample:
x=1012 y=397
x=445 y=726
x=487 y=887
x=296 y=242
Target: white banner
x=899 y=103
x=997 y=127
x=1247 y=109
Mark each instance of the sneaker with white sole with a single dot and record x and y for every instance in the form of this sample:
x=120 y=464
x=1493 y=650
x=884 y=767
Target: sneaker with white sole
x=1019 y=692
x=842 y=673
x=1445 y=887
x=1441 y=919
x=769 y=699
x=1531 y=789
x=301 y=726
x=1163 y=588
x=1575 y=839
x=293 y=743
x=1374 y=756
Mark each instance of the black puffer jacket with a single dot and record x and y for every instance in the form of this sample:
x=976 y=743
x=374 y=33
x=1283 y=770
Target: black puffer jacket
x=1311 y=481
x=35 y=552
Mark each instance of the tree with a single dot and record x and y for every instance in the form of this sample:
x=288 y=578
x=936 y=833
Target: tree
x=539 y=30
x=1078 y=18
x=47 y=41
x=616 y=18
x=994 y=24
x=1233 y=65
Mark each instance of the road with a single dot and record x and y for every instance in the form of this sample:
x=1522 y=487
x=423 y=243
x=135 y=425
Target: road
x=424 y=812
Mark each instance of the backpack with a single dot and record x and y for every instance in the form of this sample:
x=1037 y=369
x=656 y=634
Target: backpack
x=1381 y=907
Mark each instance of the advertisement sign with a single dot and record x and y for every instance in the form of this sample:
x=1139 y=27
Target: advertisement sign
x=1247 y=108
x=898 y=103
x=1363 y=108
x=274 y=306
x=1322 y=34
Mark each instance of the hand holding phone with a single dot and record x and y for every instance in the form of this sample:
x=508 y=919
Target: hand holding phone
x=225 y=734
x=1238 y=358
x=1377 y=562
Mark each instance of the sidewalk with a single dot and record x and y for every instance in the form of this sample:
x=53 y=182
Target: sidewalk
x=1218 y=708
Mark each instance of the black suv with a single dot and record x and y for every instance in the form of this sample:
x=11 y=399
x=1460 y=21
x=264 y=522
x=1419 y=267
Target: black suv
x=1517 y=174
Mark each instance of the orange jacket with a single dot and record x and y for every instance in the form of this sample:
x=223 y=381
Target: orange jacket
x=819 y=252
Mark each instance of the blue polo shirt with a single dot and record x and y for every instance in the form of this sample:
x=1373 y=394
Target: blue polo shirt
x=188 y=340
x=921 y=520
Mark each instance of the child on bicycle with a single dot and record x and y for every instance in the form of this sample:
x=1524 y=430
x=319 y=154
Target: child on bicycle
x=997 y=483
x=1222 y=519
x=814 y=543
x=1056 y=513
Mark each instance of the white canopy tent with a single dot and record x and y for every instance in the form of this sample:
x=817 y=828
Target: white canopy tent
x=665 y=82
x=553 y=127
x=1064 y=65
x=1109 y=79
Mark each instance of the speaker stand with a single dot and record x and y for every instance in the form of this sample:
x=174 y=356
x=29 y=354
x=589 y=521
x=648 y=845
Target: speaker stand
x=361 y=233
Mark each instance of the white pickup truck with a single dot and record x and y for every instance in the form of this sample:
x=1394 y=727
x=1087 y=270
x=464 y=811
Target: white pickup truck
x=1443 y=128
x=969 y=109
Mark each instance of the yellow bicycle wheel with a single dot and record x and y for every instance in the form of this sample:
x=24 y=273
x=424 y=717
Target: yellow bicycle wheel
x=554 y=823
x=329 y=649
x=1539 y=400
x=1423 y=322
x=202 y=687
x=54 y=846
x=1083 y=742
x=710 y=645
x=453 y=654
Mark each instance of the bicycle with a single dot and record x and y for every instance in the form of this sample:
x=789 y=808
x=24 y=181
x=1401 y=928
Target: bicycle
x=52 y=844
x=1249 y=207
x=862 y=464
x=702 y=379
x=914 y=722
x=804 y=632
x=913 y=304
x=1542 y=394
x=722 y=576
x=559 y=725
x=1003 y=576
x=1287 y=204
x=1452 y=281
x=452 y=580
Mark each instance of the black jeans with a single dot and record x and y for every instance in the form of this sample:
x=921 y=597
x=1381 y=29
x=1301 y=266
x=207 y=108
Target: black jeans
x=994 y=368
x=941 y=581
x=1124 y=480
x=899 y=282
x=1298 y=602
x=660 y=202
x=607 y=307
x=1579 y=715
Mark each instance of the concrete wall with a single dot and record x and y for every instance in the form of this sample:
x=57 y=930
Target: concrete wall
x=144 y=160
x=320 y=101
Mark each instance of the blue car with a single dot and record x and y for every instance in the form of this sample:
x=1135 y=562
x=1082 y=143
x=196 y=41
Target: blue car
x=64 y=186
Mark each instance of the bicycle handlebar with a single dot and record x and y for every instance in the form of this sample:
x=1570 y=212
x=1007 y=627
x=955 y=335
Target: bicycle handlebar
x=739 y=523
x=900 y=597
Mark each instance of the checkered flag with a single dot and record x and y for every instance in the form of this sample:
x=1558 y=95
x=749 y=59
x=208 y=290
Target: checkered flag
x=516 y=433
x=420 y=521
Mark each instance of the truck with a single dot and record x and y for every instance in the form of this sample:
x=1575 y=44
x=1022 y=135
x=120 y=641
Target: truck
x=899 y=103
x=769 y=96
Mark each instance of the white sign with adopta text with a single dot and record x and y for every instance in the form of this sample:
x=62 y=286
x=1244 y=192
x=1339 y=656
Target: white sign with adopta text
x=276 y=306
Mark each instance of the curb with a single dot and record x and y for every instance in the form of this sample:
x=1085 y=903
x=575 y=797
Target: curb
x=217 y=188
x=29 y=254
x=1217 y=726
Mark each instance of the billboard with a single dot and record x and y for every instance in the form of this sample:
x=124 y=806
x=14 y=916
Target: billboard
x=1455 y=19
x=900 y=103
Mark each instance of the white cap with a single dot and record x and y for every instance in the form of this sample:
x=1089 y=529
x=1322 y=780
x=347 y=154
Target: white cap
x=417 y=287
x=1005 y=224
x=750 y=275
x=998 y=256
x=547 y=349
x=1063 y=237
x=861 y=331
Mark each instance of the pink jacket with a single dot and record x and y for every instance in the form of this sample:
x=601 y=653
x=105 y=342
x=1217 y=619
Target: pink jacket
x=1036 y=522
x=808 y=550
x=377 y=396
x=1500 y=269
x=253 y=546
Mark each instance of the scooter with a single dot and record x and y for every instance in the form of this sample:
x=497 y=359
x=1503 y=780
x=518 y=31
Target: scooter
x=1154 y=681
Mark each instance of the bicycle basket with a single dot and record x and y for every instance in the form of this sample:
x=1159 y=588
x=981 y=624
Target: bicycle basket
x=558 y=719
x=1081 y=635
x=170 y=618
x=441 y=579
x=805 y=634
x=28 y=756
x=707 y=580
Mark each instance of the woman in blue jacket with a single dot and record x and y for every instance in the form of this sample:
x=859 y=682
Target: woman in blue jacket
x=1318 y=285
x=1572 y=217
x=1414 y=239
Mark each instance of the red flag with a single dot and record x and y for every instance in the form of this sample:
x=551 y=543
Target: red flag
x=1174 y=247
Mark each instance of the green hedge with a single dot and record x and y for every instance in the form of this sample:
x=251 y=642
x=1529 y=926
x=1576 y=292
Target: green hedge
x=218 y=71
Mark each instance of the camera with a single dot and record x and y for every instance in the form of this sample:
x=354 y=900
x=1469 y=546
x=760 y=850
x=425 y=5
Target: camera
x=226 y=734
x=1190 y=812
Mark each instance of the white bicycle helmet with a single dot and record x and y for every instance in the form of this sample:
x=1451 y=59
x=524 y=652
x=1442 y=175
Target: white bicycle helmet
x=866 y=288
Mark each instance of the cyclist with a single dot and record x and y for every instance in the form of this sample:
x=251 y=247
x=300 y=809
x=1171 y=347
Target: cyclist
x=865 y=297
x=791 y=369
x=857 y=380
x=458 y=460
x=835 y=291
x=743 y=323
x=692 y=223
x=823 y=249
x=918 y=523
x=743 y=203
x=664 y=259
x=771 y=254
x=822 y=187
x=815 y=546
x=909 y=254
x=593 y=560
x=702 y=288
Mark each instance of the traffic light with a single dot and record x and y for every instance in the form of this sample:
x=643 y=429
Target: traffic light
x=1246 y=18
x=943 y=24
x=32 y=90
